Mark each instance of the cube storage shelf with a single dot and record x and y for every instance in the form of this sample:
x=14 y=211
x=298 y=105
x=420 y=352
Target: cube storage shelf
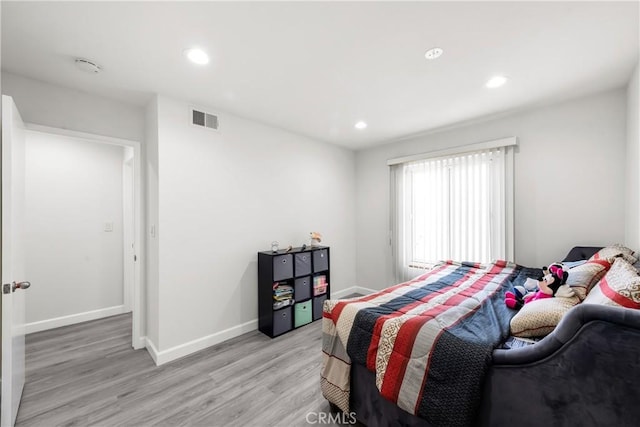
x=300 y=273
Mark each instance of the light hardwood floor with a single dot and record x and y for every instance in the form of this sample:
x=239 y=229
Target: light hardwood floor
x=88 y=374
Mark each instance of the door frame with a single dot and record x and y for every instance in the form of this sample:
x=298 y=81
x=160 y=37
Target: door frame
x=128 y=214
x=137 y=334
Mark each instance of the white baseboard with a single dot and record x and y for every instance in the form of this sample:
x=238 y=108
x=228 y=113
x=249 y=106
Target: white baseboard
x=352 y=290
x=151 y=348
x=72 y=319
x=364 y=291
x=164 y=356
x=170 y=354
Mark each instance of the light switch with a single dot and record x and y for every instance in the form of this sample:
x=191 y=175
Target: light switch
x=108 y=226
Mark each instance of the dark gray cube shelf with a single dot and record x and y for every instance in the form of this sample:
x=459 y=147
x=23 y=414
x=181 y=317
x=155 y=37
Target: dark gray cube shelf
x=296 y=268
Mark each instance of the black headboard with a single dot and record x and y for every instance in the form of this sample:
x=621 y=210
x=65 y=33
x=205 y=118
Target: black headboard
x=578 y=253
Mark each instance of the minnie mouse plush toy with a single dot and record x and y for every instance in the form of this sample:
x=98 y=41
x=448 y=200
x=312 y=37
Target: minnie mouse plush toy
x=549 y=286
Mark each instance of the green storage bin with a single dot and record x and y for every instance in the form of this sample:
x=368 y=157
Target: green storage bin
x=302 y=314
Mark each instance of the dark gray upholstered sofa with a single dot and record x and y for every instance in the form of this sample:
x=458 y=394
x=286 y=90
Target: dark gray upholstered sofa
x=585 y=373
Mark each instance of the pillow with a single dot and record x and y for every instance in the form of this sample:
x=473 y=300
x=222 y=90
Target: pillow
x=583 y=277
x=619 y=287
x=538 y=318
x=614 y=251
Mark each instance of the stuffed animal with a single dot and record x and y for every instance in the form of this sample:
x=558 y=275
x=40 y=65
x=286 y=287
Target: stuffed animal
x=553 y=283
x=315 y=238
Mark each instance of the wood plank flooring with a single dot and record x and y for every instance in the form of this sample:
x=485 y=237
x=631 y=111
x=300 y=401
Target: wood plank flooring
x=88 y=375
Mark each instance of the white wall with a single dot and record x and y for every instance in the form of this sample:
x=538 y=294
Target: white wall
x=224 y=196
x=632 y=231
x=73 y=187
x=56 y=106
x=569 y=181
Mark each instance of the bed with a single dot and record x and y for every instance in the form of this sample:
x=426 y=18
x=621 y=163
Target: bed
x=425 y=352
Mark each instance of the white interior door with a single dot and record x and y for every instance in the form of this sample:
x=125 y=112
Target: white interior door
x=13 y=265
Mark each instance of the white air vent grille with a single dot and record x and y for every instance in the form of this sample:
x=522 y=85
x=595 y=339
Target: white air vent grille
x=200 y=118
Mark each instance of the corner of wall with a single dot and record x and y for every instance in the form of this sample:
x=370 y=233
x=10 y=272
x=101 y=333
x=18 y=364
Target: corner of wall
x=632 y=179
x=151 y=207
x=152 y=350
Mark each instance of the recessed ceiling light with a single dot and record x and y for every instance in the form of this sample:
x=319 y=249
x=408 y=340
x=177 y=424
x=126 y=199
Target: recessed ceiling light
x=197 y=56
x=496 y=81
x=434 y=53
x=361 y=125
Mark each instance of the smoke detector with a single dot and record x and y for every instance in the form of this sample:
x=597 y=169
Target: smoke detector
x=434 y=53
x=88 y=66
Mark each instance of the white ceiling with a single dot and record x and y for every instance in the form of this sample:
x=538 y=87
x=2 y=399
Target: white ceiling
x=316 y=68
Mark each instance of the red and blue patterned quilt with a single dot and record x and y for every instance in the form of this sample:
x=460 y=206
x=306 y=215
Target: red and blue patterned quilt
x=429 y=341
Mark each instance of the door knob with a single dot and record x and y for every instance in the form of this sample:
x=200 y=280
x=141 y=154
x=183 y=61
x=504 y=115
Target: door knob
x=20 y=285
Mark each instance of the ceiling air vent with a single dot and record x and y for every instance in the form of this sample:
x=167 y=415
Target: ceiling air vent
x=200 y=118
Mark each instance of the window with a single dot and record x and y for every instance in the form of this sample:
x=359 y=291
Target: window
x=452 y=206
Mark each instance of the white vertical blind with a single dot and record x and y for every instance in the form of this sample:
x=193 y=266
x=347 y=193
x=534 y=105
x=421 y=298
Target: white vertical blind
x=450 y=207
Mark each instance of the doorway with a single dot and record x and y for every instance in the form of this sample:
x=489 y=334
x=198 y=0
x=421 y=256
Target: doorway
x=96 y=205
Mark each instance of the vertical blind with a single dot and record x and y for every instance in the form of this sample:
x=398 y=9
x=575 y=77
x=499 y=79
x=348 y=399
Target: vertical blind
x=450 y=207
